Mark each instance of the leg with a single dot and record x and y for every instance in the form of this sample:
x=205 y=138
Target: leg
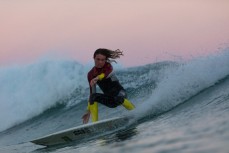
x=103 y=99
x=106 y=100
x=94 y=112
x=112 y=102
x=126 y=103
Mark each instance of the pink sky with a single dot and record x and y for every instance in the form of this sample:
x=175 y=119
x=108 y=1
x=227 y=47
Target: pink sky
x=146 y=30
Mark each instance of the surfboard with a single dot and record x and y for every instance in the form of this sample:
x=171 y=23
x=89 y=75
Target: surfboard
x=82 y=131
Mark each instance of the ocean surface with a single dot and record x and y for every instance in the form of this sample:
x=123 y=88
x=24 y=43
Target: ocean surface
x=181 y=107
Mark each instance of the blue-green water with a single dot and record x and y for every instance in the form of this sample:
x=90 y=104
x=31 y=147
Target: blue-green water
x=180 y=107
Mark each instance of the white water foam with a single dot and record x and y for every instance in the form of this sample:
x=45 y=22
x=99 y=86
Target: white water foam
x=188 y=79
x=27 y=91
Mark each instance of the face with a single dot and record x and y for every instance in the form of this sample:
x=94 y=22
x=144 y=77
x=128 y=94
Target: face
x=99 y=60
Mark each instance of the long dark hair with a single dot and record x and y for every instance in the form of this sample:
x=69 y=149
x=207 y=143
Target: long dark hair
x=110 y=54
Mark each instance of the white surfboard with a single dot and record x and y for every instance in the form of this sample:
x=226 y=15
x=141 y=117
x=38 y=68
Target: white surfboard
x=82 y=131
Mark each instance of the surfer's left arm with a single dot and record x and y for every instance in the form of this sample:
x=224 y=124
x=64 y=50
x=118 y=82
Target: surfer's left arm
x=107 y=69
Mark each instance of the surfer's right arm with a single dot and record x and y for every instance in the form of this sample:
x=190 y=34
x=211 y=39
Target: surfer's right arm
x=87 y=114
x=86 y=117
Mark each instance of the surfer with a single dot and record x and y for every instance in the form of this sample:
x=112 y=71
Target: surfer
x=102 y=74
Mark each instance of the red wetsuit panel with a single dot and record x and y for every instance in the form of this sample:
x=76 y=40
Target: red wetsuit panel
x=94 y=72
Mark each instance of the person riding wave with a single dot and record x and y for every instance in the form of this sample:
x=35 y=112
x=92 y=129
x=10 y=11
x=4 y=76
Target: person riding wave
x=102 y=75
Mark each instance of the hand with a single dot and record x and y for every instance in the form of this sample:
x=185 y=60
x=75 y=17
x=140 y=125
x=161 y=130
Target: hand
x=86 y=117
x=94 y=81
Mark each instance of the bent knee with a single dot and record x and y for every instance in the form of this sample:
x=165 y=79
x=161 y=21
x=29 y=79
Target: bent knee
x=92 y=98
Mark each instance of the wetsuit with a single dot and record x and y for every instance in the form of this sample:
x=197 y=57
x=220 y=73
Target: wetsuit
x=114 y=93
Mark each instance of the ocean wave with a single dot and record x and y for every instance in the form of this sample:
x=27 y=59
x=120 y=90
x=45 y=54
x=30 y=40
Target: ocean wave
x=27 y=91
x=187 y=80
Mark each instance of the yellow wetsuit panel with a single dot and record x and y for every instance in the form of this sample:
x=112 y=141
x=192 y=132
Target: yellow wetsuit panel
x=128 y=105
x=94 y=112
x=101 y=76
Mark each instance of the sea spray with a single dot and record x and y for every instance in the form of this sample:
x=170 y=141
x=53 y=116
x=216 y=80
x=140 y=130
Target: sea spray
x=178 y=85
x=27 y=91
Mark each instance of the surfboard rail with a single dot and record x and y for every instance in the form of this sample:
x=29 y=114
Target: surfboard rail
x=82 y=131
